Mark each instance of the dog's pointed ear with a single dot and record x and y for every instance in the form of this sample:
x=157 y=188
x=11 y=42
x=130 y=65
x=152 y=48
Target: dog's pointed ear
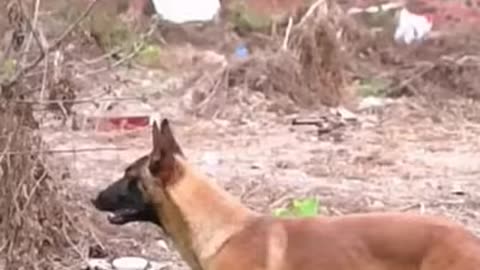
x=156 y=134
x=156 y=154
x=165 y=147
x=169 y=139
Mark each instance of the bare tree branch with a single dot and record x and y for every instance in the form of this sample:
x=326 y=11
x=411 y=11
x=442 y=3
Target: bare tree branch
x=43 y=51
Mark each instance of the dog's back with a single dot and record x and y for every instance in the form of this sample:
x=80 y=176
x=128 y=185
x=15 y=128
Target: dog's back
x=377 y=241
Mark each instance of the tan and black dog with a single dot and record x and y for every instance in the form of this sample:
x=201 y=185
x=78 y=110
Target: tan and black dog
x=214 y=231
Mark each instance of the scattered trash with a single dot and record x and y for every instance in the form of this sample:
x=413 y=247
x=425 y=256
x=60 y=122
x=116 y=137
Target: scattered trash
x=375 y=8
x=241 y=51
x=159 y=266
x=210 y=159
x=458 y=190
x=344 y=114
x=126 y=263
x=182 y=11
x=412 y=27
x=324 y=124
x=130 y=263
x=371 y=102
x=117 y=123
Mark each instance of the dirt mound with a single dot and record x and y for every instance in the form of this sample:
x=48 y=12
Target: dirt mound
x=265 y=82
x=310 y=73
x=453 y=78
x=319 y=51
x=276 y=75
x=455 y=64
x=275 y=81
x=439 y=69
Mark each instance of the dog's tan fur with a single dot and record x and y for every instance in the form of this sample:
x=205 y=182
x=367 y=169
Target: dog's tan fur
x=214 y=231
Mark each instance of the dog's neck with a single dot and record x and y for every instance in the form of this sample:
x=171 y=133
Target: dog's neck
x=209 y=215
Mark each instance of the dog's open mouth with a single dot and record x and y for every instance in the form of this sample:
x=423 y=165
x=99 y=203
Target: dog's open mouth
x=122 y=216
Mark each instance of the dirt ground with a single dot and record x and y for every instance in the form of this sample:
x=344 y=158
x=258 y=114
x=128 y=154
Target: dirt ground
x=400 y=156
x=410 y=153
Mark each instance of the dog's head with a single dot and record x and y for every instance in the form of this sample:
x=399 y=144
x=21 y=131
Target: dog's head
x=139 y=194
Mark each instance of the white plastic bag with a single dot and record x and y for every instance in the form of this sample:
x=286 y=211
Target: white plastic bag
x=412 y=27
x=182 y=11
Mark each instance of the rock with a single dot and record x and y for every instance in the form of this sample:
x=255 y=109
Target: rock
x=163 y=245
x=377 y=205
x=130 y=263
x=371 y=102
x=159 y=266
x=99 y=264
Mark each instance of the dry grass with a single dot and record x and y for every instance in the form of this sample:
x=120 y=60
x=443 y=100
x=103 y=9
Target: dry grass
x=310 y=73
x=321 y=59
x=36 y=230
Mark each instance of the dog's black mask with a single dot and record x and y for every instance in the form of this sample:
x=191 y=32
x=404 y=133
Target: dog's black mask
x=124 y=200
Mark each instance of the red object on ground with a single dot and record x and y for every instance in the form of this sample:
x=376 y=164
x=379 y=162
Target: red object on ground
x=120 y=123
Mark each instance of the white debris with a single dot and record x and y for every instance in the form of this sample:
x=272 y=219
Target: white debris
x=99 y=264
x=130 y=263
x=160 y=266
x=163 y=245
x=375 y=8
x=211 y=158
x=345 y=114
x=371 y=102
x=182 y=11
x=412 y=27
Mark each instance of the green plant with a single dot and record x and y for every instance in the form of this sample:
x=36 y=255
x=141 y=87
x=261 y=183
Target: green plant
x=372 y=87
x=381 y=18
x=110 y=31
x=7 y=69
x=150 y=56
x=246 y=19
x=307 y=207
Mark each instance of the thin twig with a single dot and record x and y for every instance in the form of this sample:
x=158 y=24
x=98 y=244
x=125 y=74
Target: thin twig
x=134 y=52
x=60 y=151
x=310 y=12
x=53 y=47
x=287 y=33
x=213 y=92
x=79 y=101
x=418 y=73
x=101 y=57
x=136 y=49
x=39 y=181
x=32 y=26
x=33 y=32
x=67 y=31
x=44 y=79
x=3 y=246
x=69 y=239
x=5 y=151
